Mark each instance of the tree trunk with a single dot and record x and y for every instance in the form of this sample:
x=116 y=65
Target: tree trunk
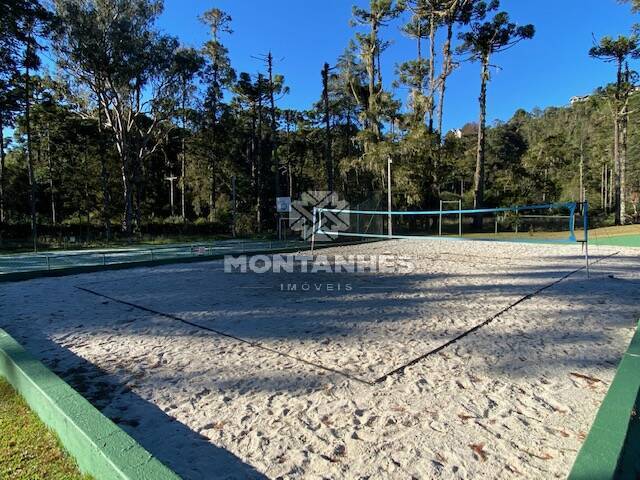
x=52 y=189
x=274 y=129
x=432 y=63
x=446 y=71
x=617 y=168
x=183 y=183
x=602 y=188
x=30 y=167
x=478 y=187
x=212 y=158
x=616 y=145
x=104 y=175
x=372 y=113
x=2 y=211
x=582 y=195
x=623 y=169
x=259 y=166
x=212 y=193
x=126 y=193
x=327 y=123
x=183 y=154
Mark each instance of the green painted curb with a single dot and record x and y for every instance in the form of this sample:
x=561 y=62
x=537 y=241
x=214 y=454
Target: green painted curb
x=98 y=445
x=612 y=448
x=64 y=272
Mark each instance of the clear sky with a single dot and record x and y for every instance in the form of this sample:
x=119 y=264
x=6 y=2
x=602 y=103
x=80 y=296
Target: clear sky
x=303 y=34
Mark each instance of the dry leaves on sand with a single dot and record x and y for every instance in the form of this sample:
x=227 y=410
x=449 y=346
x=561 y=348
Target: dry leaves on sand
x=478 y=449
x=592 y=381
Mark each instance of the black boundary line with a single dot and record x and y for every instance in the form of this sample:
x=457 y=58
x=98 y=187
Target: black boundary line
x=377 y=381
x=400 y=370
x=227 y=335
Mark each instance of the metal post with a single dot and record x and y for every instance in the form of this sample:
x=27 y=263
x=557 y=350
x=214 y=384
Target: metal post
x=390 y=223
x=497 y=216
x=585 y=220
x=278 y=227
x=440 y=220
x=313 y=230
x=48 y=263
x=171 y=179
x=460 y=218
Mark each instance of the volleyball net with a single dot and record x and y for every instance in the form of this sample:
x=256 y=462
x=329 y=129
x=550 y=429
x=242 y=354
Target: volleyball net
x=547 y=223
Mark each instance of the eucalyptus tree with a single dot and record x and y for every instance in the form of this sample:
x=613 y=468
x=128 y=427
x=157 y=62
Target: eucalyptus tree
x=113 y=49
x=618 y=51
x=218 y=76
x=483 y=40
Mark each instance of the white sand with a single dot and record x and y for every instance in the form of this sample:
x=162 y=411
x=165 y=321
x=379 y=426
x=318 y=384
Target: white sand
x=510 y=398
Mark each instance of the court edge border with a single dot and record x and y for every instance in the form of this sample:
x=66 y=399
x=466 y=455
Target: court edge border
x=99 y=446
x=614 y=432
x=64 y=272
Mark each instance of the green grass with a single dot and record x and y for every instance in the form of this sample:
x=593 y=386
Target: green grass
x=622 y=236
x=28 y=450
x=625 y=236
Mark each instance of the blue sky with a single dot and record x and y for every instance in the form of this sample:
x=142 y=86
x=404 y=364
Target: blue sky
x=302 y=35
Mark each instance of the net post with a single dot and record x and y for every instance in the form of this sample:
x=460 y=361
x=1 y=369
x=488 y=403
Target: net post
x=459 y=218
x=585 y=222
x=572 y=221
x=313 y=230
x=440 y=221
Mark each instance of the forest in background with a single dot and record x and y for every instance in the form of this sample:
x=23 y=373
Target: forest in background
x=127 y=107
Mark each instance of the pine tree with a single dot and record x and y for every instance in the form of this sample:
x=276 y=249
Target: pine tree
x=481 y=42
x=618 y=51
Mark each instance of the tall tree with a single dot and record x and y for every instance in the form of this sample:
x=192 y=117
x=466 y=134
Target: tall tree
x=187 y=64
x=415 y=73
x=456 y=12
x=112 y=48
x=380 y=13
x=618 y=51
x=481 y=42
x=32 y=21
x=218 y=76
